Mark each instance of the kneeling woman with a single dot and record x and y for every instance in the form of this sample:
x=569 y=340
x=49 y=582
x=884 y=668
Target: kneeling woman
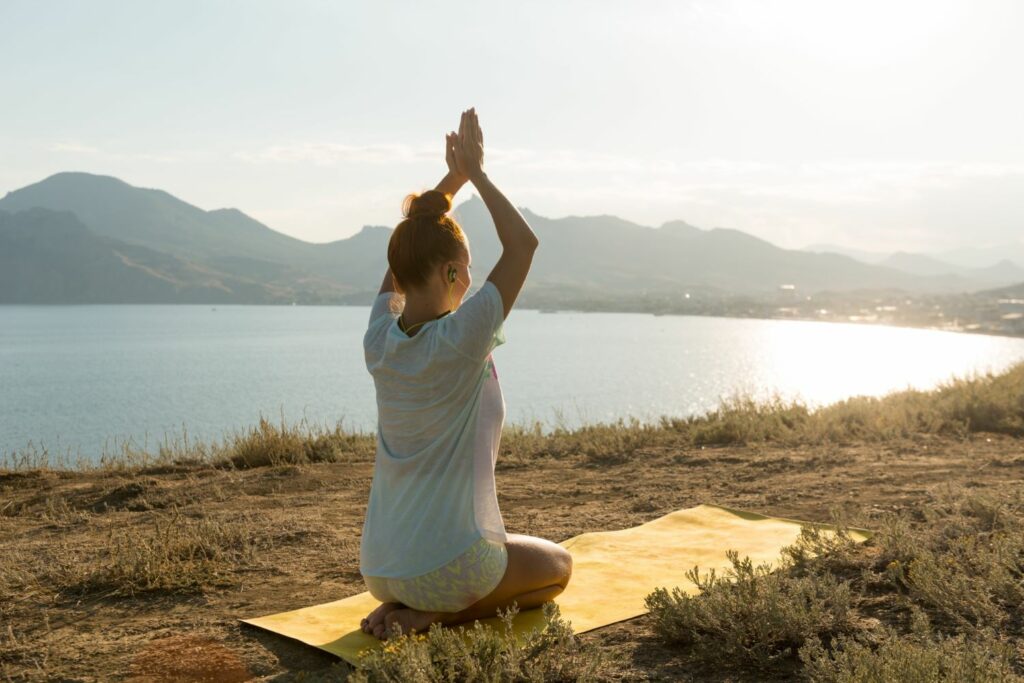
x=434 y=546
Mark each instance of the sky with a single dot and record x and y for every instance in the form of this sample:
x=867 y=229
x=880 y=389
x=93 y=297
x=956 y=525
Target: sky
x=877 y=125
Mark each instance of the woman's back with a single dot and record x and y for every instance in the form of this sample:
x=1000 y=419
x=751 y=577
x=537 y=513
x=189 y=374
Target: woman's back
x=440 y=412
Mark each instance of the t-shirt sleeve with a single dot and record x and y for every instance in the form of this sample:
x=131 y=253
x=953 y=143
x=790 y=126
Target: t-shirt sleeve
x=477 y=326
x=389 y=304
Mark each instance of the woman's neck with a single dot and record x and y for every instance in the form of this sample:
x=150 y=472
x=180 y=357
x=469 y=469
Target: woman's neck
x=419 y=312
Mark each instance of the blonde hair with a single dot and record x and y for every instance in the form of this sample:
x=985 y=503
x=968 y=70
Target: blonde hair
x=427 y=237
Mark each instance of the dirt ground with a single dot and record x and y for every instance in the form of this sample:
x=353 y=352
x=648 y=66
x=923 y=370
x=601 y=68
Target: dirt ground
x=313 y=516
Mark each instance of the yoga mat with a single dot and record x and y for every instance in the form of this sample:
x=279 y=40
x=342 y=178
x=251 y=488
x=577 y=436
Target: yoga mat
x=613 y=571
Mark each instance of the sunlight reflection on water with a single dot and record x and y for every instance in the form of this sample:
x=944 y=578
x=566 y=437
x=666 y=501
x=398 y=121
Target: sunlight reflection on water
x=82 y=379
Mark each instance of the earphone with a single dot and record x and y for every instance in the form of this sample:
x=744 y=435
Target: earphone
x=452 y=277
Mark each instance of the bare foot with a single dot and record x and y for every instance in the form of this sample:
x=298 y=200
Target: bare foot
x=408 y=619
x=376 y=617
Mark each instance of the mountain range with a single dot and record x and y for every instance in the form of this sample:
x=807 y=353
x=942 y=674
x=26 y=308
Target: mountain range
x=997 y=262
x=83 y=238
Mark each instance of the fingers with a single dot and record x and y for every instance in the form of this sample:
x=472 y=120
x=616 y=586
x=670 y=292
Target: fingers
x=471 y=129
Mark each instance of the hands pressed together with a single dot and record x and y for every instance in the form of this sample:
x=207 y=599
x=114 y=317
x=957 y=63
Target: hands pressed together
x=464 y=151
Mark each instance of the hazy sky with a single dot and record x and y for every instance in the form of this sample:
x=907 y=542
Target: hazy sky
x=884 y=125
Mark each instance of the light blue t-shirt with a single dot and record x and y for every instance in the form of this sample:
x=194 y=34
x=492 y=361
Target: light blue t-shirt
x=439 y=416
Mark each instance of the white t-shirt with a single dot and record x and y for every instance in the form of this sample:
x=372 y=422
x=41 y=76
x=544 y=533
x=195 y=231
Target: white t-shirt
x=439 y=416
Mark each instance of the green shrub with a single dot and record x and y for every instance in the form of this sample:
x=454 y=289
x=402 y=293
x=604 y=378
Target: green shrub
x=977 y=580
x=911 y=660
x=484 y=655
x=751 y=615
x=966 y=561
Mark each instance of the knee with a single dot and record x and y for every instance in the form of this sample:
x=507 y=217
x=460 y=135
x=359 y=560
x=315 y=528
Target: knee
x=564 y=566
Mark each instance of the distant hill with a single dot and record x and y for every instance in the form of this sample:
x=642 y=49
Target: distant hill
x=154 y=219
x=612 y=255
x=920 y=264
x=50 y=257
x=997 y=269
x=983 y=257
x=224 y=239
x=859 y=254
x=190 y=254
x=1012 y=292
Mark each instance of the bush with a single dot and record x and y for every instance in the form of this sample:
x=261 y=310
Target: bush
x=751 y=615
x=966 y=562
x=483 y=654
x=910 y=660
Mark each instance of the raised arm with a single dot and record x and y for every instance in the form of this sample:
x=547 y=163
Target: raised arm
x=518 y=241
x=388 y=285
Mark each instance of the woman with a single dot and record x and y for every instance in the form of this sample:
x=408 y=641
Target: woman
x=434 y=546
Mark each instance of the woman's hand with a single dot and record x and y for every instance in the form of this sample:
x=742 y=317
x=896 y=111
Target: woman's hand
x=468 y=148
x=450 y=140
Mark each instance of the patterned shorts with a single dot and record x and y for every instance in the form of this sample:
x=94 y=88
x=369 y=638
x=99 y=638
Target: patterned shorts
x=450 y=588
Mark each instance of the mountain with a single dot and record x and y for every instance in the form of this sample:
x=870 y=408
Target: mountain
x=224 y=239
x=51 y=257
x=859 y=254
x=613 y=256
x=919 y=264
x=225 y=255
x=998 y=272
x=154 y=218
x=981 y=257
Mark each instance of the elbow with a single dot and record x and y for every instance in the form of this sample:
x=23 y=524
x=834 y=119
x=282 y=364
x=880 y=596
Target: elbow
x=523 y=244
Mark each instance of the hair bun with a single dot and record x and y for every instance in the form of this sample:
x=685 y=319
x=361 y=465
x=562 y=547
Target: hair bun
x=430 y=204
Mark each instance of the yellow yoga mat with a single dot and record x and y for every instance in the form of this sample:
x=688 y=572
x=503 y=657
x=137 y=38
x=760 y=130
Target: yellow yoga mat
x=613 y=571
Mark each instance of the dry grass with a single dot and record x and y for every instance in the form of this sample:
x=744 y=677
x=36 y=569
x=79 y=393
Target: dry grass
x=982 y=403
x=267 y=445
x=172 y=553
x=263 y=445
x=168 y=552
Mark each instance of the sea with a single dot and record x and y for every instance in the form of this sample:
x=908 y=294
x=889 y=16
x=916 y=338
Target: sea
x=82 y=381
